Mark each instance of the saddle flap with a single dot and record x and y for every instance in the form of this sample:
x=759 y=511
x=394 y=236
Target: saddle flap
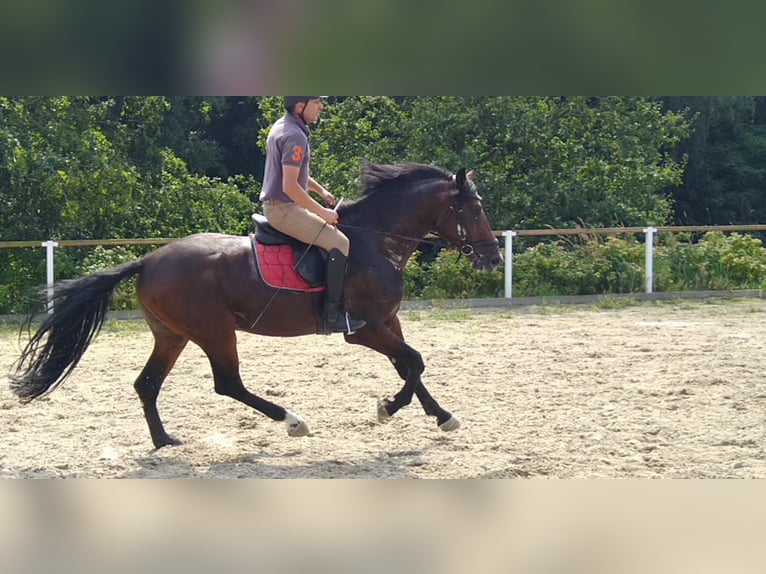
x=310 y=266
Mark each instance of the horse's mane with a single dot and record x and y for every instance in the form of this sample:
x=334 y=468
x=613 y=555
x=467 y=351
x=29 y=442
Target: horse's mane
x=376 y=176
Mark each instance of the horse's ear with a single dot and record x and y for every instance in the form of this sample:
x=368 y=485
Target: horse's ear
x=460 y=178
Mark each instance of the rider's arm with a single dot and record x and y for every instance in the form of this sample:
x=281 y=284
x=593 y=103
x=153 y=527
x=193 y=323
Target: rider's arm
x=320 y=190
x=294 y=191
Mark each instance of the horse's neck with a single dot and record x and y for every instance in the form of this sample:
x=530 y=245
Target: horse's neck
x=399 y=247
x=401 y=227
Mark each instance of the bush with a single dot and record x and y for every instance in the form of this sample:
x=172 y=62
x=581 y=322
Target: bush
x=717 y=262
x=565 y=268
x=22 y=272
x=450 y=276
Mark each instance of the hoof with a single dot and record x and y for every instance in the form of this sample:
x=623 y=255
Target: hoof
x=295 y=425
x=383 y=415
x=451 y=425
x=167 y=441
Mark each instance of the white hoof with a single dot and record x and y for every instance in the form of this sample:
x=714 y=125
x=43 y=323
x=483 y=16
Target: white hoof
x=451 y=425
x=295 y=425
x=383 y=415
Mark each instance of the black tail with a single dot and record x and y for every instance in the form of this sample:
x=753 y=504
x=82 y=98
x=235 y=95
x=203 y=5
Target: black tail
x=53 y=352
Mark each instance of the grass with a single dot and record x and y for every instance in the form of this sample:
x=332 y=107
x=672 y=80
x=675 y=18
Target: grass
x=9 y=329
x=613 y=303
x=125 y=326
x=439 y=315
x=112 y=326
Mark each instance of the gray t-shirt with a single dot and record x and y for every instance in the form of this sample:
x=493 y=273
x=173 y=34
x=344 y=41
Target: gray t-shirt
x=288 y=144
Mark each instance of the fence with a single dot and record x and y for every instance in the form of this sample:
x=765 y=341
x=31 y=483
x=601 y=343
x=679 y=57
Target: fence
x=649 y=234
x=50 y=251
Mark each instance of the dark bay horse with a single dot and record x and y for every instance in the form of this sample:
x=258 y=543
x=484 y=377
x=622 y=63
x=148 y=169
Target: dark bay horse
x=205 y=287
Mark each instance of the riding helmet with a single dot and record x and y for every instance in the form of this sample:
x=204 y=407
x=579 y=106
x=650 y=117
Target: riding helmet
x=290 y=101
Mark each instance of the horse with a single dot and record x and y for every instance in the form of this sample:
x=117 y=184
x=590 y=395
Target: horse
x=205 y=287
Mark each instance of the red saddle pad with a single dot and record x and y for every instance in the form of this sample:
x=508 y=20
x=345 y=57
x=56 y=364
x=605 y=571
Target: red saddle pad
x=277 y=266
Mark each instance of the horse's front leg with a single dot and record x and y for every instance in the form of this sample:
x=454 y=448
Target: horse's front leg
x=387 y=339
x=444 y=419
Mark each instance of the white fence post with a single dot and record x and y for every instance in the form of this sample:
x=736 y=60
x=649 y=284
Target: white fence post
x=509 y=235
x=49 y=255
x=650 y=231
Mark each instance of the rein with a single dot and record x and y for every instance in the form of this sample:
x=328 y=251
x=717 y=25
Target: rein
x=467 y=246
x=389 y=234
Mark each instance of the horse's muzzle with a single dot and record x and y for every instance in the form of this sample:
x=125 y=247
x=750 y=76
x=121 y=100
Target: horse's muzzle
x=487 y=261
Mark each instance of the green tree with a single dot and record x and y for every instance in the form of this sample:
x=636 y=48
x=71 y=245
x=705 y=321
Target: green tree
x=372 y=128
x=726 y=173
x=557 y=161
x=541 y=161
x=99 y=168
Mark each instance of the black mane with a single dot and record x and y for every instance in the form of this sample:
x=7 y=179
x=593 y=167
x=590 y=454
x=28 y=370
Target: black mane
x=376 y=176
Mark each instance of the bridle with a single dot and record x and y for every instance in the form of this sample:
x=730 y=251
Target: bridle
x=467 y=245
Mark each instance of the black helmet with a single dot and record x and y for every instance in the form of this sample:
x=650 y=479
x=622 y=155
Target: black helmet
x=290 y=101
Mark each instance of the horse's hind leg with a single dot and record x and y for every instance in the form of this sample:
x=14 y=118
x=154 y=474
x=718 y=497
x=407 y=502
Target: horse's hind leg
x=221 y=350
x=167 y=348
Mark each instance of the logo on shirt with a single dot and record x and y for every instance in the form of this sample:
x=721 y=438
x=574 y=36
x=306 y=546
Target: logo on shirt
x=297 y=154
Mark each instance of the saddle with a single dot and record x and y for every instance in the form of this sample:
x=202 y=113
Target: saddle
x=284 y=262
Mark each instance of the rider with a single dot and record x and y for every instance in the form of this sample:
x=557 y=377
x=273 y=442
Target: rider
x=290 y=209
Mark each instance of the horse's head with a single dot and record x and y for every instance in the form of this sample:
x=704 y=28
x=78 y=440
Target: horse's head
x=465 y=224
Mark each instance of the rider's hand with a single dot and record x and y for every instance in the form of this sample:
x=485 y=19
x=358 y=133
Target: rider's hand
x=330 y=216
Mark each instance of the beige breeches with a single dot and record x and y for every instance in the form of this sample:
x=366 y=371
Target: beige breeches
x=305 y=226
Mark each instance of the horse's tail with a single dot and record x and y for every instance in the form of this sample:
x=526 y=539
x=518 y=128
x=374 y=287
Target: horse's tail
x=52 y=353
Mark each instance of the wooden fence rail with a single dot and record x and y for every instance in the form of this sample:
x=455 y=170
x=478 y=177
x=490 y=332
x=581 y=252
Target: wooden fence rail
x=87 y=242
x=633 y=230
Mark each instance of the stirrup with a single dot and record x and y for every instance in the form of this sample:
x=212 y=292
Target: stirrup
x=358 y=324
x=350 y=327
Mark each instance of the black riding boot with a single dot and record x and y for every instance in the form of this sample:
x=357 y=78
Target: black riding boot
x=336 y=320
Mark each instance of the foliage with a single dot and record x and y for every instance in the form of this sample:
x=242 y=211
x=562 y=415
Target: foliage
x=101 y=258
x=79 y=167
x=450 y=276
x=359 y=127
x=21 y=271
x=716 y=262
x=555 y=161
x=84 y=167
x=593 y=267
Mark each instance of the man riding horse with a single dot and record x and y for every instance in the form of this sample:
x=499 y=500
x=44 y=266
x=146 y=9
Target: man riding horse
x=290 y=209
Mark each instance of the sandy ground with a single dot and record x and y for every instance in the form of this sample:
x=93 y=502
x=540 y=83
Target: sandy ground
x=671 y=390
